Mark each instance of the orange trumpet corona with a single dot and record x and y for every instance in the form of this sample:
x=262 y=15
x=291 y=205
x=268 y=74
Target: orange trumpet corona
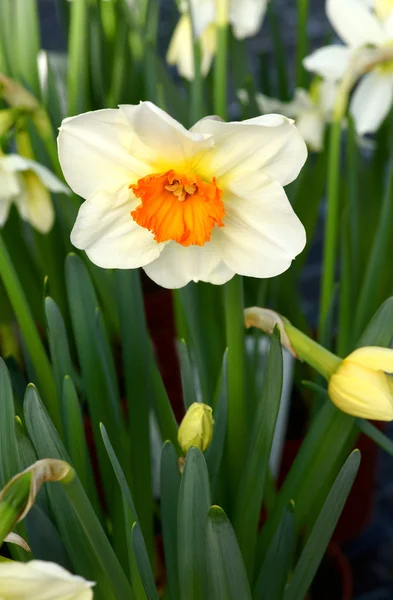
x=178 y=207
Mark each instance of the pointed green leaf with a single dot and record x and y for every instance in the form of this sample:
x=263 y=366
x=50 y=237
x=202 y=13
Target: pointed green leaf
x=169 y=492
x=9 y=453
x=274 y=572
x=143 y=563
x=194 y=504
x=323 y=530
x=226 y=573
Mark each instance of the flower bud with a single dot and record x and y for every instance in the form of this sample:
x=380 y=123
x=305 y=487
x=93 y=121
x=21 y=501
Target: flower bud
x=361 y=386
x=196 y=429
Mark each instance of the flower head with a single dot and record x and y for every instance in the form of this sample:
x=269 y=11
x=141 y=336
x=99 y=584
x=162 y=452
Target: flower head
x=26 y=184
x=186 y=205
x=196 y=429
x=245 y=16
x=312 y=110
x=362 y=387
x=37 y=579
x=360 y=25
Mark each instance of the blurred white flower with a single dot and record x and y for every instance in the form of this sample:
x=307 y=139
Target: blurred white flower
x=39 y=580
x=186 y=205
x=360 y=25
x=312 y=110
x=26 y=183
x=245 y=16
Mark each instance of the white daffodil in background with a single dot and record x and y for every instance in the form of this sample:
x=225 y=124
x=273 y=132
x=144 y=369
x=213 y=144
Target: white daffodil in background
x=245 y=16
x=360 y=25
x=312 y=110
x=26 y=184
x=362 y=386
x=39 y=580
x=186 y=205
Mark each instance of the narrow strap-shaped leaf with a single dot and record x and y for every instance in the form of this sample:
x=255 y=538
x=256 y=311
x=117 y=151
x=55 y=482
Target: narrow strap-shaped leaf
x=9 y=453
x=84 y=539
x=130 y=516
x=274 y=572
x=323 y=529
x=26 y=38
x=214 y=452
x=58 y=345
x=169 y=488
x=379 y=331
x=75 y=441
x=250 y=494
x=376 y=435
x=194 y=504
x=143 y=563
x=226 y=573
x=187 y=374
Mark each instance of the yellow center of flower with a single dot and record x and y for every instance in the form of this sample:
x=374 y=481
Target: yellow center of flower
x=178 y=207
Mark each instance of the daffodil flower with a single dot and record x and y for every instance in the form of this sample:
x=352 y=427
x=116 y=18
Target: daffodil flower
x=186 y=205
x=360 y=25
x=26 y=184
x=312 y=110
x=36 y=580
x=362 y=386
x=245 y=16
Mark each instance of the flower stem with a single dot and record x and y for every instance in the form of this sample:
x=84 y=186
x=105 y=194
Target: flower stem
x=331 y=224
x=302 y=41
x=236 y=424
x=220 y=72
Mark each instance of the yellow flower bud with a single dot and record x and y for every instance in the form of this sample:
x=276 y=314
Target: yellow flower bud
x=196 y=429
x=361 y=385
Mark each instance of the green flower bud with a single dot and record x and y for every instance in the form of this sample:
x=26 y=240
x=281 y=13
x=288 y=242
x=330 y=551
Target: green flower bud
x=196 y=429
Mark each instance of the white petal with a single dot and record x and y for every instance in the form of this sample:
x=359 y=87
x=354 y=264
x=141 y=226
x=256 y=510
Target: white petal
x=371 y=102
x=10 y=187
x=270 y=144
x=180 y=52
x=311 y=125
x=388 y=26
x=246 y=16
x=14 y=163
x=95 y=152
x=162 y=141
x=178 y=265
x=262 y=234
x=203 y=14
x=105 y=229
x=354 y=22
x=329 y=62
x=34 y=203
x=38 y=580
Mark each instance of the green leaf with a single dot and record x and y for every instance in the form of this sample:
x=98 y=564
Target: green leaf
x=75 y=441
x=97 y=367
x=84 y=539
x=214 y=453
x=58 y=345
x=9 y=452
x=226 y=573
x=382 y=440
x=313 y=471
x=274 y=572
x=194 y=504
x=130 y=515
x=135 y=356
x=169 y=493
x=379 y=332
x=187 y=371
x=32 y=340
x=143 y=563
x=323 y=530
x=250 y=494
